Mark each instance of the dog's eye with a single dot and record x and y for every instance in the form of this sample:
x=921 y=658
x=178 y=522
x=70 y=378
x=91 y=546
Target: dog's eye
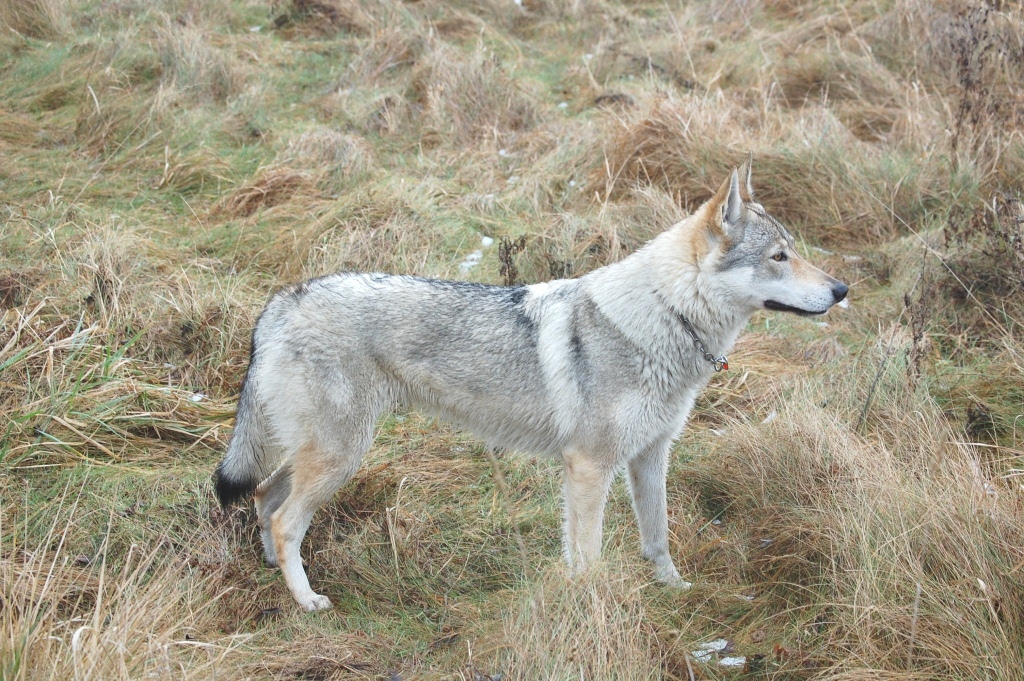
x=779 y=257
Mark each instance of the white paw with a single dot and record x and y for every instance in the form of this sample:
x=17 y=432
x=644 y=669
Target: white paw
x=315 y=602
x=669 y=576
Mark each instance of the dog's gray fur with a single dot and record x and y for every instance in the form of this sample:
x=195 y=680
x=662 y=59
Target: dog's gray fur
x=598 y=371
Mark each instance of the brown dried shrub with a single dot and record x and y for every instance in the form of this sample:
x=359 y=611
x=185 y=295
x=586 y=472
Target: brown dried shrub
x=270 y=186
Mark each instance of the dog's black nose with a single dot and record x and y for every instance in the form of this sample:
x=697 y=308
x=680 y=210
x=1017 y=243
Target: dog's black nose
x=839 y=291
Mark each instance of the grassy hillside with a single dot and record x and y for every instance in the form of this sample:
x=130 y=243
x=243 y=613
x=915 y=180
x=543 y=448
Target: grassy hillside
x=847 y=499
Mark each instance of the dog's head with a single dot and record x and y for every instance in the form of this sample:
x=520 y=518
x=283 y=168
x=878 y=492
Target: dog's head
x=752 y=259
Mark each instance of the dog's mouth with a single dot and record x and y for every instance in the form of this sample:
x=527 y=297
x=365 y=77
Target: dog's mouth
x=782 y=307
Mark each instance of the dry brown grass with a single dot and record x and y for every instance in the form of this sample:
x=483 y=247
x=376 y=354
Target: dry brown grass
x=324 y=17
x=165 y=168
x=68 y=616
x=194 y=66
x=18 y=128
x=192 y=171
x=846 y=528
x=470 y=96
x=341 y=159
x=40 y=19
x=270 y=186
x=594 y=627
x=815 y=174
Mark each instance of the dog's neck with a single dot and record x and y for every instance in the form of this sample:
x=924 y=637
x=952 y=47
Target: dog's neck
x=667 y=273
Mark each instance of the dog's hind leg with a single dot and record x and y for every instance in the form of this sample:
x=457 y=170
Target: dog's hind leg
x=270 y=494
x=647 y=473
x=586 y=491
x=318 y=469
x=332 y=430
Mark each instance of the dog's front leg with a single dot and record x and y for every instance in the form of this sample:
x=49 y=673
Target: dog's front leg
x=586 y=491
x=647 y=473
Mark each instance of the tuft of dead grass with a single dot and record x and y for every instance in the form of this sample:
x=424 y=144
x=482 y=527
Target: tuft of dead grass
x=194 y=66
x=470 y=96
x=269 y=186
x=111 y=260
x=18 y=128
x=324 y=17
x=341 y=158
x=596 y=626
x=111 y=118
x=40 y=19
x=73 y=398
x=192 y=171
x=387 y=55
x=867 y=97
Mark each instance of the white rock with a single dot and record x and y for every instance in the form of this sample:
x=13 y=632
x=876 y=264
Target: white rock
x=471 y=261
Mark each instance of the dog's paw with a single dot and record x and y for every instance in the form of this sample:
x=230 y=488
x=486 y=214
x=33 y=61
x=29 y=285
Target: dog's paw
x=315 y=602
x=669 y=576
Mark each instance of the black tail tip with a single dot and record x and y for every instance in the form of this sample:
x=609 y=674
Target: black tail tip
x=230 y=491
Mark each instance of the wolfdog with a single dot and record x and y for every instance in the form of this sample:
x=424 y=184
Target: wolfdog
x=600 y=372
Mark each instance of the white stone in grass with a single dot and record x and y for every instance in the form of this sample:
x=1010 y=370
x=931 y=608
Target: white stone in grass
x=486 y=241
x=471 y=261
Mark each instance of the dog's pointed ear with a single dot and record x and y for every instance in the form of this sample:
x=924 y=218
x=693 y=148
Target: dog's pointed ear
x=746 y=188
x=726 y=217
x=732 y=208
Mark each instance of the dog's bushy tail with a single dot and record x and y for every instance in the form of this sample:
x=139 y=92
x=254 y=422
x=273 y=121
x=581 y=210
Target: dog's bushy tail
x=248 y=459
